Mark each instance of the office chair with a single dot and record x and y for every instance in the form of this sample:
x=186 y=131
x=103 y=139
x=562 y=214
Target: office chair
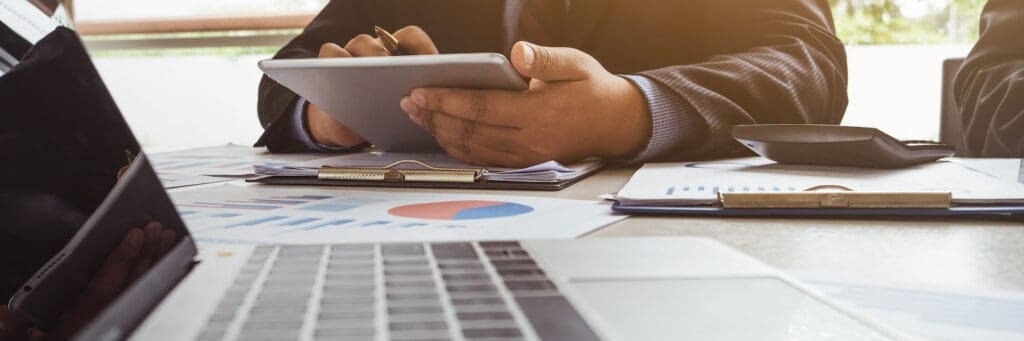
x=950 y=126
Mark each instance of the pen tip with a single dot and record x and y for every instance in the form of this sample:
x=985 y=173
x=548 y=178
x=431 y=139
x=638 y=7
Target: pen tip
x=389 y=41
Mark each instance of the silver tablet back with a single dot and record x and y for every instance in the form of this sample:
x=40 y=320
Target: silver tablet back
x=364 y=93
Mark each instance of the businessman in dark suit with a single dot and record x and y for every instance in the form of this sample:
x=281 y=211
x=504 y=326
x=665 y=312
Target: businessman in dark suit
x=990 y=85
x=625 y=80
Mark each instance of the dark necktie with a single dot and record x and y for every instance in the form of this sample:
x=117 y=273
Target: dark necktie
x=542 y=22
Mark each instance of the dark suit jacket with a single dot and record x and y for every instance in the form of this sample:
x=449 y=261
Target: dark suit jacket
x=731 y=61
x=990 y=85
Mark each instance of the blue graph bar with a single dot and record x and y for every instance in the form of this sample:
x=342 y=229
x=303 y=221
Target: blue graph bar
x=328 y=207
x=299 y=221
x=376 y=223
x=271 y=201
x=256 y=221
x=231 y=206
x=671 y=189
x=338 y=222
x=412 y=225
x=225 y=215
x=185 y=212
x=305 y=197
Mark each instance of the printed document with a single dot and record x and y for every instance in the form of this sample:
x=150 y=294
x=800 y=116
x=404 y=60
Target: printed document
x=548 y=172
x=929 y=313
x=198 y=166
x=275 y=215
x=699 y=183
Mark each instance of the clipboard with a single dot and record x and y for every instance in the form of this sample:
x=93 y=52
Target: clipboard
x=759 y=187
x=829 y=201
x=427 y=176
x=1015 y=212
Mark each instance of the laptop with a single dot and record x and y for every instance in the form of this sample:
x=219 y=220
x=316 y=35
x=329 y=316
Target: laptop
x=588 y=289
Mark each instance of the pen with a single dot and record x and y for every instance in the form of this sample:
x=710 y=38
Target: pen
x=389 y=41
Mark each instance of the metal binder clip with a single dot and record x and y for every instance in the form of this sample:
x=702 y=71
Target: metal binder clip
x=836 y=196
x=391 y=173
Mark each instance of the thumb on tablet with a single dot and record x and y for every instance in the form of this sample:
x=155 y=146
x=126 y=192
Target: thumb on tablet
x=552 y=64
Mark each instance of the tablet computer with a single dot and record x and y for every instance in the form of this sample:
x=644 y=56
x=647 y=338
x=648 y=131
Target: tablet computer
x=364 y=93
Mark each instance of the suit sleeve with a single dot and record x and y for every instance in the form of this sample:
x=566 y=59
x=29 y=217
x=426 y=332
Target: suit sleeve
x=990 y=85
x=338 y=22
x=772 y=62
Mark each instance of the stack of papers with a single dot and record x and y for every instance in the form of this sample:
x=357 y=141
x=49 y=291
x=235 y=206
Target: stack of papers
x=1002 y=168
x=216 y=164
x=548 y=172
x=699 y=183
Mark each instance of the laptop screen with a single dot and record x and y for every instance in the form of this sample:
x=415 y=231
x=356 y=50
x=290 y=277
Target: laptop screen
x=74 y=222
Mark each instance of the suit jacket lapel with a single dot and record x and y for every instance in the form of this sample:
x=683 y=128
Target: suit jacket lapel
x=583 y=17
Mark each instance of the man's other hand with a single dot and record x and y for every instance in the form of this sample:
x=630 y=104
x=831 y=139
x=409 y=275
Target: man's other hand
x=573 y=109
x=322 y=126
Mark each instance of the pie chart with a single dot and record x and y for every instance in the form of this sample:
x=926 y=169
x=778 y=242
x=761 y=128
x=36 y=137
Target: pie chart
x=461 y=210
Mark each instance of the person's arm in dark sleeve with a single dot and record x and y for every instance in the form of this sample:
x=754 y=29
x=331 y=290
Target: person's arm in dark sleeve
x=281 y=111
x=775 y=62
x=990 y=85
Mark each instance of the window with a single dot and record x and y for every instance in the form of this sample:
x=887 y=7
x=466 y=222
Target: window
x=872 y=22
x=895 y=51
x=92 y=10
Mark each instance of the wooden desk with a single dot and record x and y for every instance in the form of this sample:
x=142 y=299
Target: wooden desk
x=985 y=254
x=957 y=253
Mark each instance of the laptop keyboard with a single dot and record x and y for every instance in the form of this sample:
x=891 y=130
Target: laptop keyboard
x=434 y=291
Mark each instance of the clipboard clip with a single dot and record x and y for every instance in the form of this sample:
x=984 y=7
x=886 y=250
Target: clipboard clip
x=836 y=196
x=392 y=173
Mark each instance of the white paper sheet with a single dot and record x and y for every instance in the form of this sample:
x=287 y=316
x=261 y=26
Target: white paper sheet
x=1005 y=169
x=264 y=215
x=171 y=180
x=546 y=172
x=698 y=183
x=930 y=313
x=199 y=166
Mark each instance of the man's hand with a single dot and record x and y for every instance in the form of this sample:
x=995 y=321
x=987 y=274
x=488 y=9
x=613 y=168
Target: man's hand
x=573 y=109
x=327 y=130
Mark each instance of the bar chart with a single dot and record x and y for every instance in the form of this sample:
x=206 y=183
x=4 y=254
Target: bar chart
x=277 y=215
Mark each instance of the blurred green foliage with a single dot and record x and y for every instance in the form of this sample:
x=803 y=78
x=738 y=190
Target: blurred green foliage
x=869 y=22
